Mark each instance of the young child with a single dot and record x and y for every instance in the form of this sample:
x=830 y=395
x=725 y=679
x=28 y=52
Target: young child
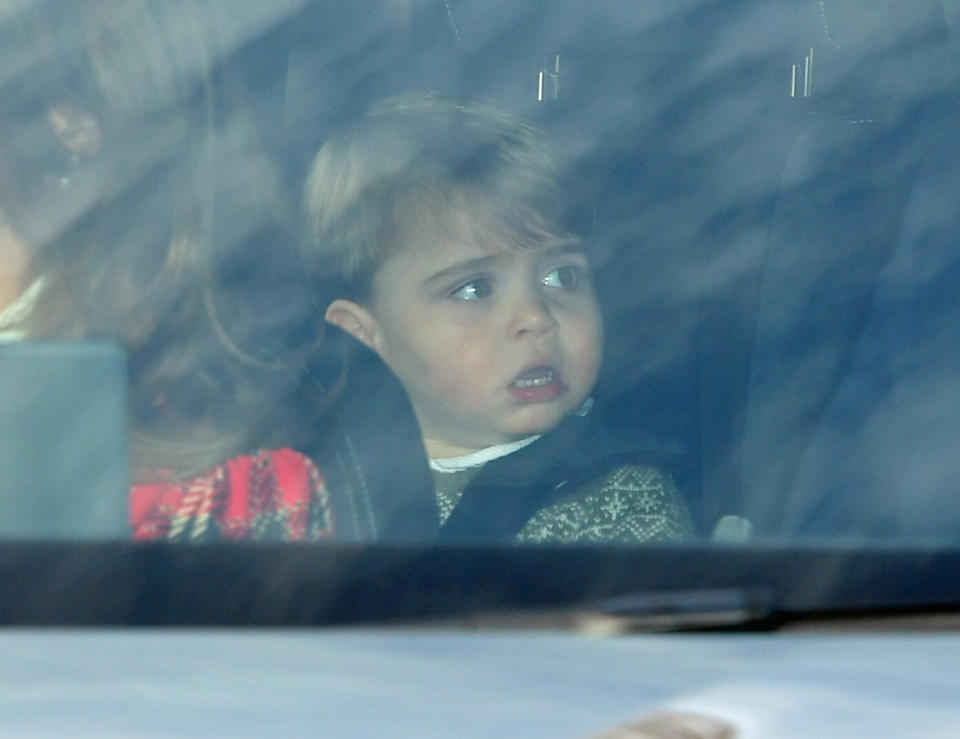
x=434 y=235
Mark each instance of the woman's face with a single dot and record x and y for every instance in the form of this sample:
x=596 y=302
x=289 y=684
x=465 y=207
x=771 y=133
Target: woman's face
x=78 y=134
x=76 y=129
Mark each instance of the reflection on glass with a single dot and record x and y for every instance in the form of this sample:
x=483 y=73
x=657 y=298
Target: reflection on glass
x=757 y=203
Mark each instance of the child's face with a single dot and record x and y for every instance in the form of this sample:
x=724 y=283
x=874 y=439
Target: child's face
x=491 y=346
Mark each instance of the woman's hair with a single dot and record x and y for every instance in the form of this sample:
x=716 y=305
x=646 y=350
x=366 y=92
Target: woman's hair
x=424 y=166
x=164 y=229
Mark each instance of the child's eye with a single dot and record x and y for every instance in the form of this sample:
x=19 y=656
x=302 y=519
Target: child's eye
x=473 y=290
x=567 y=277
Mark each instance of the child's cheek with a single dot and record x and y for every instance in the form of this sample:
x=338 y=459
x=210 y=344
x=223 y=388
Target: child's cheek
x=452 y=368
x=464 y=383
x=586 y=347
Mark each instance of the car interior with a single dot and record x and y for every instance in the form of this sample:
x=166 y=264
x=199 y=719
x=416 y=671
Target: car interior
x=768 y=194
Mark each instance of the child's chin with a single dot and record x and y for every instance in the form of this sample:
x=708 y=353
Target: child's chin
x=541 y=422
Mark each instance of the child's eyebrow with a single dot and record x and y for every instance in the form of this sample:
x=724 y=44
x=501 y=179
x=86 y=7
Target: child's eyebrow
x=575 y=247
x=468 y=265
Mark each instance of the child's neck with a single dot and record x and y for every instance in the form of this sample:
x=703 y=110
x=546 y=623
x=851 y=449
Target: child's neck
x=437 y=449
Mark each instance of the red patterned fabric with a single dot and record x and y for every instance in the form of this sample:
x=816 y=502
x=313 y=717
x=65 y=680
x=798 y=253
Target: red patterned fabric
x=276 y=494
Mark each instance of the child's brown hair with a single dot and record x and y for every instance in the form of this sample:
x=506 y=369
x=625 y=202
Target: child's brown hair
x=412 y=168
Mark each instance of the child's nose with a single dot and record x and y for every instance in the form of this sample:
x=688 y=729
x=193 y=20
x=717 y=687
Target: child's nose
x=532 y=315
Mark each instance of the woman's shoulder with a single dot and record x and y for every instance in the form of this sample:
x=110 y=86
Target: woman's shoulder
x=627 y=503
x=277 y=494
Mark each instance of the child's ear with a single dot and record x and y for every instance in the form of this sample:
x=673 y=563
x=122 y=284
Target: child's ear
x=354 y=319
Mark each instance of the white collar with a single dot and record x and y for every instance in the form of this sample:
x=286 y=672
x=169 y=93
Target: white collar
x=480 y=457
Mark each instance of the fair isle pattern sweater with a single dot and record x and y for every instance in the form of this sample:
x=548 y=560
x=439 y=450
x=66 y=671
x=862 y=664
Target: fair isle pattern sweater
x=628 y=504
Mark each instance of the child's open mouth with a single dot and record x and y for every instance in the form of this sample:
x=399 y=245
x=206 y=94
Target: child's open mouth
x=538 y=384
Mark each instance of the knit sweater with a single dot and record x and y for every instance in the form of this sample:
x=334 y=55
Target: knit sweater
x=630 y=503
x=574 y=484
